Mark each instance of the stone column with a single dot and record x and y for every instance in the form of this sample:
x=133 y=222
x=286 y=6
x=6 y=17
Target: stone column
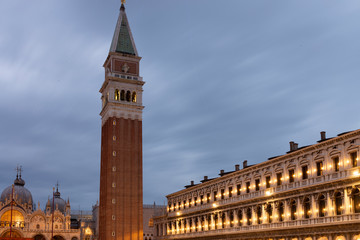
x=212 y=222
x=347 y=202
x=287 y=217
x=227 y=220
x=299 y=209
x=313 y=207
x=236 y=218
x=275 y=212
x=264 y=216
x=329 y=209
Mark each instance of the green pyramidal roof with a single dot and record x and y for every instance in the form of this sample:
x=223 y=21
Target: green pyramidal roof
x=123 y=41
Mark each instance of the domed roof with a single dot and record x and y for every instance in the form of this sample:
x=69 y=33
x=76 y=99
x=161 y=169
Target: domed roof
x=21 y=194
x=59 y=203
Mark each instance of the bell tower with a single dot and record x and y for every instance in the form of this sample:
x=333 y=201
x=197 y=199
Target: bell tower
x=120 y=211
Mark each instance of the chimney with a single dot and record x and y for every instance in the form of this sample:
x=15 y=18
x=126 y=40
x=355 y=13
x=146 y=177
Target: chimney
x=296 y=145
x=245 y=164
x=205 y=178
x=291 y=146
x=237 y=167
x=222 y=172
x=323 y=135
x=192 y=183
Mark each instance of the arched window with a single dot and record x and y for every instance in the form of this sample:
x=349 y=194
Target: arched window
x=269 y=212
x=322 y=206
x=122 y=95
x=117 y=95
x=231 y=219
x=356 y=200
x=223 y=220
x=307 y=209
x=258 y=214
x=240 y=217
x=281 y=212
x=37 y=226
x=133 y=99
x=196 y=224
x=128 y=96
x=293 y=210
x=248 y=216
x=216 y=221
x=338 y=203
x=208 y=222
x=39 y=237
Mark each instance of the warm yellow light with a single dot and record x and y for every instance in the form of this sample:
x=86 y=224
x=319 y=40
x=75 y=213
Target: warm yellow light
x=307 y=171
x=347 y=161
x=268 y=193
x=281 y=179
x=178 y=213
x=294 y=175
x=215 y=205
x=330 y=166
x=356 y=173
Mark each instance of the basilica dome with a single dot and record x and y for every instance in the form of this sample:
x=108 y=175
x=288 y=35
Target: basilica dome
x=59 y=203
x=21 y=194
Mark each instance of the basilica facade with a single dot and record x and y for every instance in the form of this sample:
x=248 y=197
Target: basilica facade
x=309 y=193
x=20 y=217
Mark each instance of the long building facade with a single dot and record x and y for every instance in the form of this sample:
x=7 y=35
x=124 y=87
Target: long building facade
x=309 y=193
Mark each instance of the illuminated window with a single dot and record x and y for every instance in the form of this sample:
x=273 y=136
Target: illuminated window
x=247 y=187
x=117 y=95
x=257 y=184
x=114 y=122
x=336 y=162
x=230 y=191
x=223 y=219
x=128 y=96
x=307 y=208
x=293 y=210
x=208 y=197
x=195 y=201
x=267 y=179
x=356 y=200
x=114 y=169
x=133 y=97
x=354 y=158
x=240 y=217
x=338 y=203
x=269 y=212
x=114 y=153
x=319 y=168
x=231 y=219
x=222 y=193
x=113 y=185
x=113 y=201
x=304 y=171
x=279 y=179
x=291 y=175
x=248 y=216
x=281 y=211
x=215 y=197
x=122 y=95
x=238 y=189
x=114 y=138
x=322 y=205
x=258 y=214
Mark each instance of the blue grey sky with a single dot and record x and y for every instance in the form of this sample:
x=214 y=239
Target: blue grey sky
x=225 y=81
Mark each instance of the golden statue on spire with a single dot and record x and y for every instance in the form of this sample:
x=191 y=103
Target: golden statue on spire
x=123 y=1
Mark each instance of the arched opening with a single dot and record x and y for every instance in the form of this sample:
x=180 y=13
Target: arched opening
x=39 y=237
x=196 y=224
x=74 y=238
x=58 y=237
x=248 y=216
x=202 y=223
x=293 y=210
x=117 y=95
x=340 y=238
x=16 y=218
x=258 y=214
x=269 y=212
x=231 y=219
x=307 y=211
x=190 y=223
x=223 y=220
x=128 y=96
x=338 y=203
x=208 y=222
x=216 y=221
x=322 y=205
x=281 y=212
x=356 y=200
x=133 y=99
x=122 y=95
x=14 y=234
x=240 y=217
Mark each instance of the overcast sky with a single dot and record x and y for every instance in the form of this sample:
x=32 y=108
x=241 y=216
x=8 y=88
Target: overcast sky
x=225 y=81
